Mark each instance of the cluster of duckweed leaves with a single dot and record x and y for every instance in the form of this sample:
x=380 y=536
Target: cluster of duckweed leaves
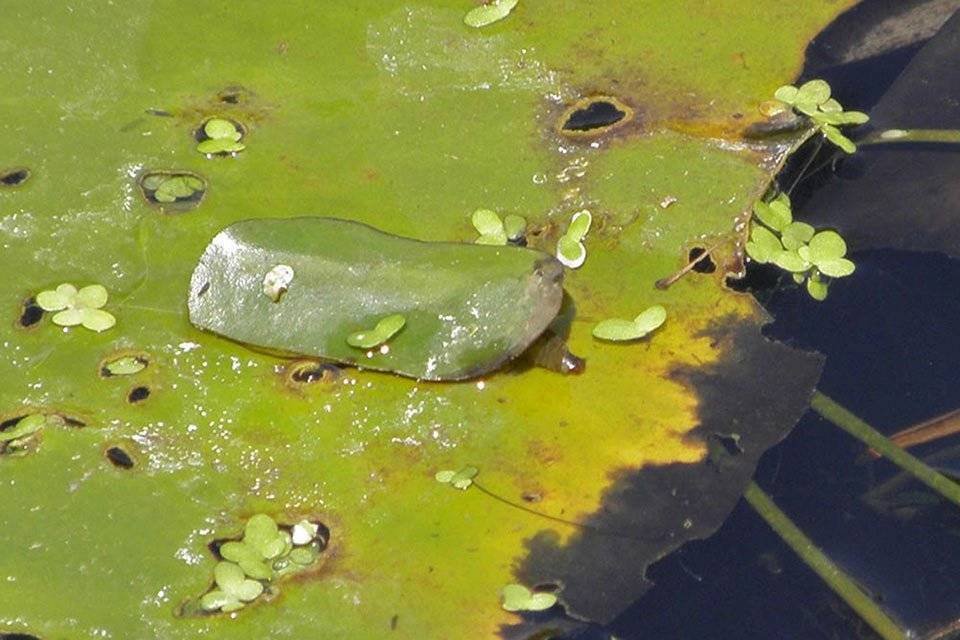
x=813 y=100
x=386 y=328
x=516 y=597
x=496 y=231
x=220 y=137
x=22 y=436
x=619 y=330
x=173 y=188
x=489 y=12
x=461 y=479
x=796 y=246
x=264 y=554
x=75 y=307
x=570 y=248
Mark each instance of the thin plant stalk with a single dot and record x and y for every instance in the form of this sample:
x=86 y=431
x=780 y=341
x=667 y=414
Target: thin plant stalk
x=894 y=136
x=813 y=557
x=879 y=443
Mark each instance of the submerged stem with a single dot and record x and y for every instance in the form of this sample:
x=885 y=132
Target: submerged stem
x=813 y=557
x=879 y=443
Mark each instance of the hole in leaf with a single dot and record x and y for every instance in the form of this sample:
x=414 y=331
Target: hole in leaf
x=593 y=114
x=17 y=636
x=123 y=363
x=705 y=264
x=14 y=177
x=119 y=458
x=310 y=371
x=730 y=443
x=173 y=191
x=31 y=313
x=138 y=394
x=234 y=95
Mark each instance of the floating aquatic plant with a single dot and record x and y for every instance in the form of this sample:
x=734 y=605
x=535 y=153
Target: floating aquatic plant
x=796 y=246
x=618 y=330
x=264 y=553
x=386 y=328
x=172 y=187
x=813 y=100
x=570 y=248
x=222 y=137
x=489 y=13
x=517 y=597
x=461 y=479
x=75 y=307
x=495 y=231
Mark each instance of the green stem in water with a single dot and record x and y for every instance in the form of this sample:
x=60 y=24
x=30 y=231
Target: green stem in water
x=879 y=443
x=814 y=558
x=893 y=136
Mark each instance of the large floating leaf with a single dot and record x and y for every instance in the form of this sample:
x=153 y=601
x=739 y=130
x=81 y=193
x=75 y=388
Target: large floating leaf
x=468 y=308
x=396 y=115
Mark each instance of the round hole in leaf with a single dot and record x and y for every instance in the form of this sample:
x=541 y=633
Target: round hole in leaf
x=138 y=394
x=31 y=313
x=14 y=177
x=119 y=458
x=703 y=264
x=123 y=364
x=310 y=371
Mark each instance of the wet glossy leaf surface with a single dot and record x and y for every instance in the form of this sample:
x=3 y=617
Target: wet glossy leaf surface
x=399 y=116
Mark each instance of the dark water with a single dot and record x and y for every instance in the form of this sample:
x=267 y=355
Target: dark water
x=891 y=334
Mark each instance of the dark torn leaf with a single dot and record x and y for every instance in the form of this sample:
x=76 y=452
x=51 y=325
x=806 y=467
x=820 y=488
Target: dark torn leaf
x=904 y=195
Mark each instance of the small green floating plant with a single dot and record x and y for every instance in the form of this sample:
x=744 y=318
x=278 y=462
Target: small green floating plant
x=571 y=251
x=264 y=554
x=167 y=188
x=812 y=99
x=461 y=479
x=618 y=330
x=222 y=137
x=75 y=307
x=386 y=328
x=516 y=597
x=494 y=231
x=489 y=12
x=797 y=247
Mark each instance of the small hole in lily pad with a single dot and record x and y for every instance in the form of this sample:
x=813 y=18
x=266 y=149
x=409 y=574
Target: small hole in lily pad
x=234 y=95
x=305 y=372
x=173 y=191
x=705 y=264
x=31 y=313
x=119 y=458
x=595 y=114
x=14 y=177
x=17 y=636
x=138 y=394
x=730 y=443
x=123 y=364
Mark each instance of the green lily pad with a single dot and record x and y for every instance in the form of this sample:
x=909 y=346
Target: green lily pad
x=623 y=330
x=517 y=597
x=397 y=116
